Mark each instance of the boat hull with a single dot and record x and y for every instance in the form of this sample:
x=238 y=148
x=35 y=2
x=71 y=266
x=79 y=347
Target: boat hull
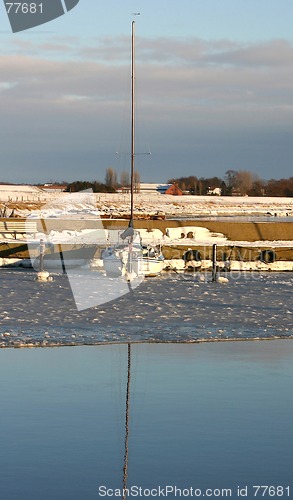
x=116 y=268
x=64 y=258
x=152 y=266
x=143 y=266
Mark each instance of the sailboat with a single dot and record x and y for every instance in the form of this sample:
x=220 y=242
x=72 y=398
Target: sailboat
x=128 y=257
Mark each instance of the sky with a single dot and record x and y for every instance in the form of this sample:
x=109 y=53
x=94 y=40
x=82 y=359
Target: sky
x=214 y=91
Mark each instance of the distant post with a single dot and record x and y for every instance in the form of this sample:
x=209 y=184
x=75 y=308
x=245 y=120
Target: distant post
x=214 y=259
x=42 y=275
x=41 y=256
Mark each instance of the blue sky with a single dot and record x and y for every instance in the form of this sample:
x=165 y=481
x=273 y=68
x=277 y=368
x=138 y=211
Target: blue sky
x=243 y=20
x=214 y=91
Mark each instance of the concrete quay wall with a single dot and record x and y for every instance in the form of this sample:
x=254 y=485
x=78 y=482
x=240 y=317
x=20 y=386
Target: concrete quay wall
x=235 y=231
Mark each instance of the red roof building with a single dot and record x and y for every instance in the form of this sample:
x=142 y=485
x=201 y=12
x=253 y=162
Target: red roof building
x=174 y=190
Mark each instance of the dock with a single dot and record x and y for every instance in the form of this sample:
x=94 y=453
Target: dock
x=245 y=241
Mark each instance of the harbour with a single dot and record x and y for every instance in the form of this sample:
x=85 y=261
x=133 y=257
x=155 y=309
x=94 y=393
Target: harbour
x=146 y=250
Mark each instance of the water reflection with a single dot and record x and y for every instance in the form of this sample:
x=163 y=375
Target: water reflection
x=127 y=408
x=199 y=415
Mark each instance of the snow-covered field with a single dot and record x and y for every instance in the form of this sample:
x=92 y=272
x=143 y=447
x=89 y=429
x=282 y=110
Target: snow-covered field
x=197 y=205
x=118 y=204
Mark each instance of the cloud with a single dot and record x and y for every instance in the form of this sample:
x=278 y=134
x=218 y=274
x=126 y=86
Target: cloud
x=272 y=54
x=68 y=95
x=193 y=51
x=193 y=71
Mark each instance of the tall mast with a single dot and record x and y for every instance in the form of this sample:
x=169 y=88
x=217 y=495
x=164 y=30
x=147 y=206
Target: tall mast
x=132 y=121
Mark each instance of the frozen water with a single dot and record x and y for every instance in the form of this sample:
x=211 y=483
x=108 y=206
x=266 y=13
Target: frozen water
x=172 y=307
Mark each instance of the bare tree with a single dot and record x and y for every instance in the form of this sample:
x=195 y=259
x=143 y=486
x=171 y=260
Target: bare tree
x=111 y=178
x=125 y=179
x=230 y=176
x=244 y=181
x=136 y=181
x=258 y=188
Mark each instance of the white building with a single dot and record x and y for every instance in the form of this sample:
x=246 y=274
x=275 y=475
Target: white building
x=153 y=188
x=215 y=191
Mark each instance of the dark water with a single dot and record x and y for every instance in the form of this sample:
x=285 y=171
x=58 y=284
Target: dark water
x=173 y=307
x=201 y=415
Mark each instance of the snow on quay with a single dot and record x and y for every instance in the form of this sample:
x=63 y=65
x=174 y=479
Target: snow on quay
x=180 y=238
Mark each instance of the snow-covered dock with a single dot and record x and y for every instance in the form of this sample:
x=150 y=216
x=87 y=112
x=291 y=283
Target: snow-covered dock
x=184 y=247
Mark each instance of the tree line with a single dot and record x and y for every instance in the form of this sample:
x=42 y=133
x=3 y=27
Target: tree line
x=239 y=183
x=110 y=185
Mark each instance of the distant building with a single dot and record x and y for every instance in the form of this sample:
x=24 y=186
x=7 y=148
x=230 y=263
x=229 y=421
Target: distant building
x=215 y=191
x=148 y=188
x=153 y=188
x=53 y=188
x=174 y=190
x=163 y=188
x=236 y=192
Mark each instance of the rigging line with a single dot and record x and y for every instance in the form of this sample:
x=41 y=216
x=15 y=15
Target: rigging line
x=135 y=154
x=124 y=133
x=142 y=134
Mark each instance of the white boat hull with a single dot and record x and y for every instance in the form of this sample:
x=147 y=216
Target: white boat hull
x=56 y=264
x=145 y=266
x=113 y=266
x=152 y=266
x=63 y=258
